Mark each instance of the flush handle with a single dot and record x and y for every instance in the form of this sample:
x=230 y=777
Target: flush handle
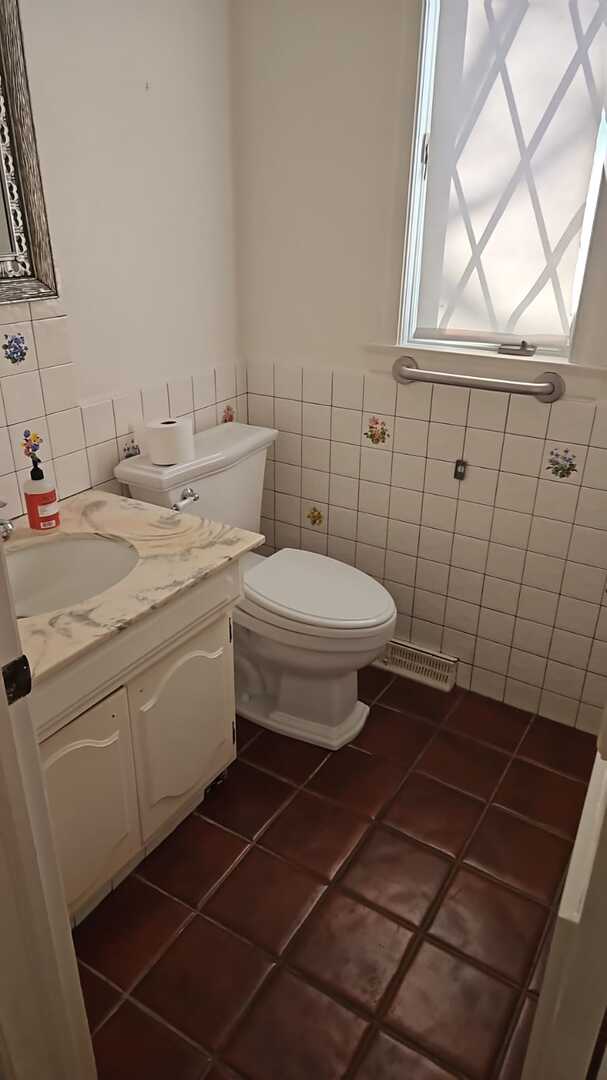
x=188 y=496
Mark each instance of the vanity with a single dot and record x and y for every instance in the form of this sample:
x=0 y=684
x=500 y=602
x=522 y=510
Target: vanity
x=133 y=687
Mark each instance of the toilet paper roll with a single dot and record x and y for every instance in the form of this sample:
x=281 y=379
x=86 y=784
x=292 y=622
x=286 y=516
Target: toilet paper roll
x=170 y=442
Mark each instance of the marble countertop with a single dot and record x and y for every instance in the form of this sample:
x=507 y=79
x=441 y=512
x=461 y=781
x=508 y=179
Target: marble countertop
x=176 y=551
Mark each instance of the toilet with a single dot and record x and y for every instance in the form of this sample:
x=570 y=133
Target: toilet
x=306 y=623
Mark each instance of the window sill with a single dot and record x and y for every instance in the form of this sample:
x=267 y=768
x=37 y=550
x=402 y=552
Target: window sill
x=484 y=359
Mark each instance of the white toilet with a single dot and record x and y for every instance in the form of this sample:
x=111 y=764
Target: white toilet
x=306 y=623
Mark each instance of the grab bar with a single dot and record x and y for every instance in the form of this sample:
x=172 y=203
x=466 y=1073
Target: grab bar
x=546 y=387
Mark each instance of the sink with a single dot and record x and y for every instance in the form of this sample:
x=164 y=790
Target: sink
x=61 y=572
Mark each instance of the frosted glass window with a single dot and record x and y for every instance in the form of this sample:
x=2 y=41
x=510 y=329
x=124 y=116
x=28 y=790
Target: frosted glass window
x=509 y=109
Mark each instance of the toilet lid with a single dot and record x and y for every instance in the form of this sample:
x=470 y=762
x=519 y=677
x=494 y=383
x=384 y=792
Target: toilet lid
x=316 y=590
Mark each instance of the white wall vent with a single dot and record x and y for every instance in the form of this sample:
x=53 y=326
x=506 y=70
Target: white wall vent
x=421 y=665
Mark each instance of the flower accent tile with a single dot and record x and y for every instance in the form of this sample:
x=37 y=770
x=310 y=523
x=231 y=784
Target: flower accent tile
x=228 y=416
x=315 y=516
x=15 y=348
x=561 y=463
x=131 y=449
x=377 y=431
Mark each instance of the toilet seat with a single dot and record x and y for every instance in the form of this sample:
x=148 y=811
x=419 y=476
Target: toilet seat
x=312 y=594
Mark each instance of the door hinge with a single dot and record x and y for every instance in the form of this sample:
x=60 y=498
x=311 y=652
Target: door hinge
x=230 y=629
x=17 y=679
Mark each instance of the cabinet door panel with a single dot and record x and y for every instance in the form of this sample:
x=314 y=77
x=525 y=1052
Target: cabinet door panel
x=183 y=712
x=90 y=785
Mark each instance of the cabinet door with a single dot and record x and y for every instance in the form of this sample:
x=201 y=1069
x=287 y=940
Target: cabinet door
x=182 y=711
x=90 y=784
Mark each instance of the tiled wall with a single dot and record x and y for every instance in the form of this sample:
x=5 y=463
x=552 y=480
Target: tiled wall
x=505 y=569
x=82 y=444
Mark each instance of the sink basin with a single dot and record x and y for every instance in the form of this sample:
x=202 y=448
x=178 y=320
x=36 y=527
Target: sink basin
x=62 y=572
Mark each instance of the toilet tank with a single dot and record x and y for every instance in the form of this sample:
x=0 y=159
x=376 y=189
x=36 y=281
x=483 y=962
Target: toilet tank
x=227 y=473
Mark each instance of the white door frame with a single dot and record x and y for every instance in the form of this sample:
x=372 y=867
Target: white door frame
x=43 y=1029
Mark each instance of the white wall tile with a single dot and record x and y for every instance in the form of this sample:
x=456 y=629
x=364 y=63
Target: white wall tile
x=505 y=562
x=440 y=479
x=589 y=718
x=428 y=606
x=583 y=582
x=372 y=529
x=599 y=428
x=260 y=378
x=563 y=679
x=496 y=625
x=287 y=535
x=479 y=485
x=579 y=616
x=488 y=409
x=400 y=568
x=460 y=615
x=408 y=471
x=538 y=605
x=6 y=455
x=348 y=390
x=288 y=448
x=102 y=458
x=155 y=402
x=457 y=643
x=99 y=425
x=205 y=418
x=370 y=560
x=10 y=495
x=426 y=634
x=15 y=433
x=403 y=537
x=411 y=436
x=483 y=448
x=343 y=550
x=568 y=648
x=595 y=473
x=516 y=492
x=18 y=312
x=463 y=676
x=128 y=413
x=413 y=400
x=598 y=658
x=432 y=576
x=66 y=432
x=345 y=459
x=592 y=508
x=405 y=505
x=314 y=541
x=345 y=425
x=469 y=553
x=268 y=506
x=261 y=410
x=72 y=474
x=225 y=386
x=450 y=404
x=571 y=421
x=342 y=522
x=288 y=382
x=595 y=690
x=375 y=466
x=543 y=571
x=52 y=342
x=510 y=527
x=601 y=626
x=500 y=595
x=549 y=537
x=181 y=395
x=522 y=455
x=287 y=478
x=532 y=636
x=315 y=485
x=316 y=421
x=317 y=386
x=589 y=546
x=315 y=453
x=558 y=504
x=526 y=667
x=559 y=708
x=445 y=441
x=22 y=396
x=288 y=508
x=527 y=416
x=343 y=491
x=465 y=585
x=492 y=656
x=435 y=544
x=472 y=519
x=375 y=498
x=439 y=512
x=379 y=394
x=488 y=683
x=287 y=415
x=310 y=508
x=521 y=695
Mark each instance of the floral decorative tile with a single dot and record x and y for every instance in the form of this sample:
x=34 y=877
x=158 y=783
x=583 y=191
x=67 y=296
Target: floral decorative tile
x=377 y=431
x=18 y=350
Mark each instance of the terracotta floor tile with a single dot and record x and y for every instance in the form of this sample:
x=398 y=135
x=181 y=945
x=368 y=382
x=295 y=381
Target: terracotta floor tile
x=388 y=1059
x=99 y=996
x=454 y=1010
x=124 y=934
x=291 y=759
x=419 y=700
x=203 y=981
x=521 y=854
x=491 y=924
x=246 y=800
x=245 y=731
x=394 y=735
x=396 y=874
x=133 y=1044
x=463 y=763
x=315 y=833
x=192 y=859
x=351 y=949
x=514 y=1059
x=491 y=721
x=542 y=796
x=294 y=1032
x=372 y=681
x=265 y=899
x=361 y=781
x=566 y=749
x=435 y=814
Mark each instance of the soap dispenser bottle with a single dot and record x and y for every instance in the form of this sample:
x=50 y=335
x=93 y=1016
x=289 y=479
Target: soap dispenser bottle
x=40 y=495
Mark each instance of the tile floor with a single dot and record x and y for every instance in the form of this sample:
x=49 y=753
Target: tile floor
x=380 y=913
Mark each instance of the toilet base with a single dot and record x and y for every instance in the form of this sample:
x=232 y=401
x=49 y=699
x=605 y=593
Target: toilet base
x=260 y=709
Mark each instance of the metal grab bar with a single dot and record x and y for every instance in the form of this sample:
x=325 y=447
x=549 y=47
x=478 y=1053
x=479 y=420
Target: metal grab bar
x=546 y=387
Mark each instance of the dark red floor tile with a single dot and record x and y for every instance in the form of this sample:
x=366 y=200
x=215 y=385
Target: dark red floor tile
x=124 y=934
x=294 y=1032
x=490 y=924
x=219 y=1073
x=265 y=899
x=203 y=981
x=521 y=854
x=245 y=731
x=388 y=1059
x=192 y=859
x=396 y=874
x=361 y=781
x=315 y=833
x=351 y=949
x=542 y=796
x=491 y=721
x=133 y=1044
x=537 y=978
x=246 y=800
x=463 y=763
x=393 y=735
x=420 y=700
x=371 y=682
x=556 y=746
x=453 y=1010
x=435 y=814
x=291 y=759
x=514 y=1059
x=99 y=996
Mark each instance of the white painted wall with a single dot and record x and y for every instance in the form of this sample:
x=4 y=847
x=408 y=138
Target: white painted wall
x=131 y=102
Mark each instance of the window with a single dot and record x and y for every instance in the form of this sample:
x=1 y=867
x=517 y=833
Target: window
x=510 y=134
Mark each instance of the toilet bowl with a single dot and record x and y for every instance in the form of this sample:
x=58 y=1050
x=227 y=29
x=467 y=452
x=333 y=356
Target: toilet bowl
x=305 y=626
x=305 y=623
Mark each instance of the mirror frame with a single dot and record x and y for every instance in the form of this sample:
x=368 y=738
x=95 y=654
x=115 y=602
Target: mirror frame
x=28 y=272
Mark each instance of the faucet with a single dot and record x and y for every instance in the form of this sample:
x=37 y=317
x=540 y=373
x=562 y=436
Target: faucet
x=6 y=526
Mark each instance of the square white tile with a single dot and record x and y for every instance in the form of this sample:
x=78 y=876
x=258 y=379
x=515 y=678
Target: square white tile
x=288 y=449
x=411 y=437
x=473 y=520
x=479 y=485
x=568 y=648
x=505 y=562
x=128 y=414
x=155 y=402
x=314 y=516
x=522 y=454
x=599 y=428
x=6 y=456
x=595 y=690
x=510 y=527
x=344 y=550
x=314 y=485
x=10 y=495
x=315 y=453
x=465 y=585
x=532 y=637
x=287 y=478
x=457 y=643
x=592 y=508
x=345 y=459
x=345 y=425
x=522 y=696
x=225 y=383
x=342 y=522
x=429 y=606
x=375 y=498
x=403 y=537
x=557 y=503
x=440 y=479
x=205 y=418
x=483 y=448
x=571 y=421
x=537 y=605
x=526 y=667
x=288 y=382
x=99 y=422
x=343 y=491
x=52 y=342
x=317 y=386
x=405 y=505
x=400 y=567
x=563 y=679
x=460 y=615
x=555 y=456
x=435 y=544
x=527 y=416
x=500 y=595
x=595 y=473
x=260 y=378
x=516 y=492
x=584 y=582
x=288 y=508
x=496 y=625
x=261 y=410
x=287 y=415
x=348 y=390
x=22 y=396
x=432 y=576
x=439 y=512
x=578 y=616
x=589 y=546
x=316 y=421
x=413 y=400
x=488 y=409
x=492 y=656
x=66 y=432
x=380 y=394
x=103 y=458
x=450 y=404
x=408 y=471
x=203 y=385
x=469 y=553
x=372 y=529
x=543 y=571
x=375 y=465
x=72 y=474
x=445 y=441
x=17 y=349
x=549 y=537
x=558 y=708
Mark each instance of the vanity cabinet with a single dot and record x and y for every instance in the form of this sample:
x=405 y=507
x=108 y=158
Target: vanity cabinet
x=90 y=785
x=182 y=716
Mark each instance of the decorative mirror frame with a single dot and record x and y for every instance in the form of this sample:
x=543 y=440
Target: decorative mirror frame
x=28 y=272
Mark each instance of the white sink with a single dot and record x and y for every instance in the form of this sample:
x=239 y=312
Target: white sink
x=61 y=572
